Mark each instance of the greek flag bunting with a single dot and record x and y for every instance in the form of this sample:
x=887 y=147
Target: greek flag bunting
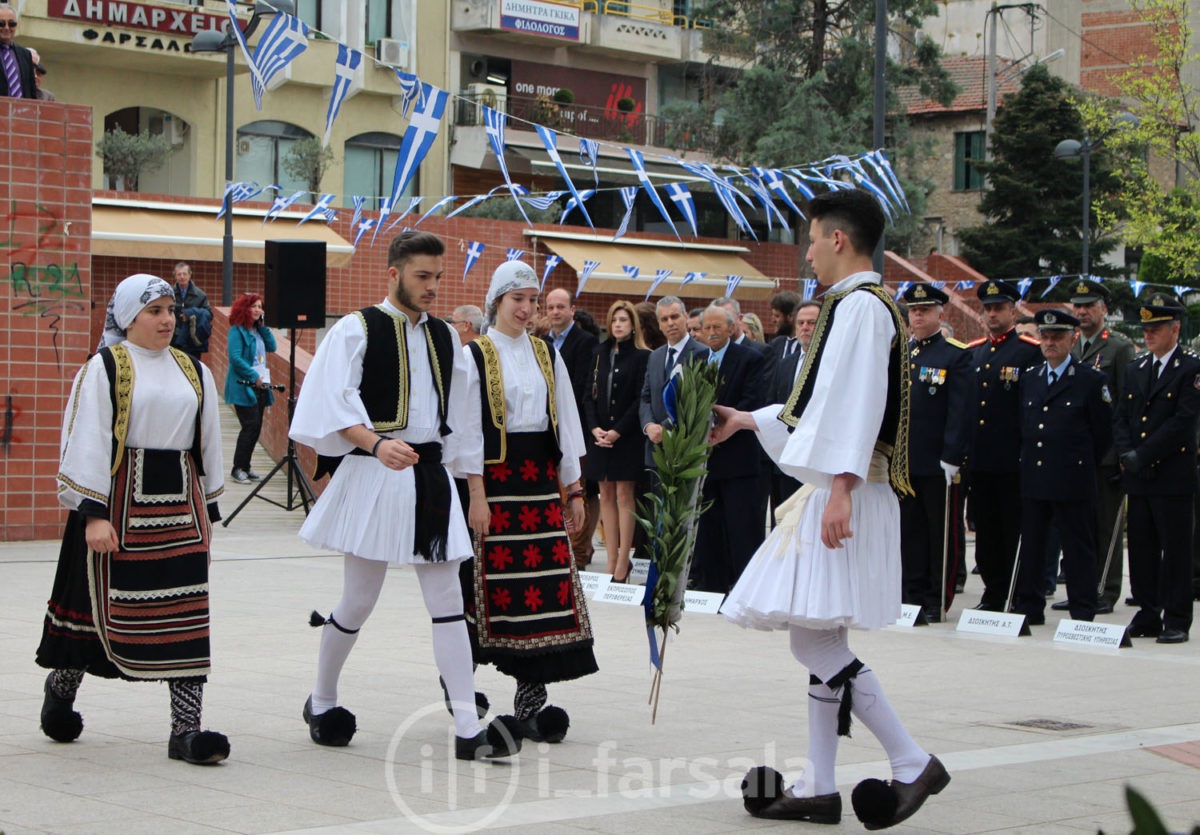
x=1023 y=286
x=682 y=198
x=965 y=284
x=731 y=284
x=321 y=208
x=639 y=167
x=240 y=37
x=764 y=197
x=690 y=277
x=281 y=203
x=344 y=67
x=659 y=277
x=550 y=140
x=589 y=267
x=772 y=178
x=513 y=254
x=422 y=130
x=900 y=288
x=878 y=160
x=359 y=201
x=283 y=41
x=494 y=121
x=445 y=200
x=411 y=90
x=385 y=209
x=628 y=194
x=1180 y=290
x=584 y=196
x=631 y=271
x=800 y=186
x=474 y=201
x=552 y=261
x=937 y=284
x=239 y=192
x=412 y=207
x=364 y=226
x=589 y=151
x=542 y=202
x=1054 y=279
x=1137 y=287
x=474 y=250
x=810 y=288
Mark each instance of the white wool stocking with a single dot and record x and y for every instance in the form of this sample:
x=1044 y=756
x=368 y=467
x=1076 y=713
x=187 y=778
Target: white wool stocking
x=872 y=708
x=818 y=776
x=362 y=581
x=451 y=644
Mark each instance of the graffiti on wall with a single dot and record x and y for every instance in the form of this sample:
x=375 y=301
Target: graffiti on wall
x=47 y=291
x=11 y=413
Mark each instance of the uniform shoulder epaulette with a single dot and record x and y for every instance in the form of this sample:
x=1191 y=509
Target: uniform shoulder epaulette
x=956 y=343
x=1028 y=339
x=975 y=342
x=1190 y=352
x=1139 y=356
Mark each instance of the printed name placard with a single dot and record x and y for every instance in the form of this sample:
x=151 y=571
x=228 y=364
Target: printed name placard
x=639 y=570
x=1087 y=633
x=593 y=583
x=908 y=615
x=702 y=602
x=992 y=623
x=625 y=593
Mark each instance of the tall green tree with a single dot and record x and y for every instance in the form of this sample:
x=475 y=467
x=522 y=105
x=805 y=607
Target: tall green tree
x=1033 y=205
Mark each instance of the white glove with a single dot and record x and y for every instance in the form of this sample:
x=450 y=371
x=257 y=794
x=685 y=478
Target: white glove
x=950 y=470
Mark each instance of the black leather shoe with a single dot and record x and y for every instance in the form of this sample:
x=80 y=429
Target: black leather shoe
x=334 y=727
x=1137 y=630
x=1061 y=606
x=1172 y=636
x=498 y=740
x=824 y=808
x=1036 y=619
x=198 y=747
x=910 y=796
x=1104 y=608
x=253 y=476
x=60 y=721
x=1131 y=601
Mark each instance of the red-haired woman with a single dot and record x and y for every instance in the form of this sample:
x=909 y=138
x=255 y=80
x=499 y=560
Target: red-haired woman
x=250 y=342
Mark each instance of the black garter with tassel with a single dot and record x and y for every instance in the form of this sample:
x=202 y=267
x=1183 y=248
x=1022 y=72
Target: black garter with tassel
x=842 y=680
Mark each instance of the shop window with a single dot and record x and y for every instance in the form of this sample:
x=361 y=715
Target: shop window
x=261 y=148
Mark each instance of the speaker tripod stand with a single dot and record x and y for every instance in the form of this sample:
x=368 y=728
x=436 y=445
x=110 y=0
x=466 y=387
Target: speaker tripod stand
x=299 y=491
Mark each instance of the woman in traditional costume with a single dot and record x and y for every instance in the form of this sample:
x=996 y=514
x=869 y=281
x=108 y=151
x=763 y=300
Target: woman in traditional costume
x=140 y=471
x=525 y=605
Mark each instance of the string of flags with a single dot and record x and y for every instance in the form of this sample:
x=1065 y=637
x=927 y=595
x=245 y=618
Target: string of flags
x=1025 y=285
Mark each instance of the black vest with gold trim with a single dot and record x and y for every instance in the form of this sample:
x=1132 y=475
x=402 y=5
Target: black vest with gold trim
x=892 y=440
x=385 y=365
x=491 y=381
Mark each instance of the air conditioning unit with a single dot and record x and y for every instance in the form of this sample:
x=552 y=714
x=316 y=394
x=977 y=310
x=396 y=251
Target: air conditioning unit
x=243 y=146
x=392 y=52
x=176 y=131
x=494 y=96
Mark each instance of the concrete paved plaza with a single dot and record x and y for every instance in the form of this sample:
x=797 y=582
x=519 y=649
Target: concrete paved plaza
x=1039 y=737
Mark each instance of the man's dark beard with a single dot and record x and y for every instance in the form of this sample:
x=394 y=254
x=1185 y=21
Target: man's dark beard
x=404 y=299
x=787 y=328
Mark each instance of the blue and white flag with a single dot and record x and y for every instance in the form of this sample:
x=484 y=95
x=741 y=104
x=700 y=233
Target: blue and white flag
x=359 y=201
x=542 y=202
x=413 y=202
x=474 y=201
x=474 y=250
x=1137 y=287
x=690 y=277
x=589 y=267
x=411 y=90
x=810 y=288
x=584 y=196
x=445 y=200
x=628 y=195
x=800 y=186
x=639 y=167
x=841 y=162
x=240 y=37
x=631 y=271
x=878 y=160
x=514 y=254
x=422 y=130
x=1054 y=279
x=1023 y=287
x=550 y=141
x=238 y=193
x=385 y=209
x=348 y=61
x=682 y=198
x=321 y=208
x=552 y=261
x=1180 y=290
x=965 y=284
x=764 y=197
x=937 y=284
x=283 y=41
x=281 y=203
x=728 y=197
x=364 y=226
x=731 y=284
x=772 y=178
x=900 y=288
x=494 y=121
x=659 y=277
x=589 y=152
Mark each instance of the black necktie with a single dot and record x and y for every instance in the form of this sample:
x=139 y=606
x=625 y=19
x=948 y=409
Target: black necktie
x=1087 y=346
x=1053 y=378
x=670 y=360
x=1157 y=368
x=791 y=346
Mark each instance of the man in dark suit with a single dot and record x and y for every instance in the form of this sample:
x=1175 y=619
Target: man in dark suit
x=783 y=317
x=1066 y=427
x=680 y=348
x=732 y=527
x=1109 y=352
x=1155 y=434
x=575 y=345
x=804 y=322
x=16 y=64
x=939 y=395
x=999 y=360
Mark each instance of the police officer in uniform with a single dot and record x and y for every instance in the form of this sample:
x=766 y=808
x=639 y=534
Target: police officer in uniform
x=1155 y=435
x=939 y=395
x=1110 y=352
x=1066 y=428
x=993 y=457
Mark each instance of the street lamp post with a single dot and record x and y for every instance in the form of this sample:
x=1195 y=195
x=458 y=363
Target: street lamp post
x=212 y=41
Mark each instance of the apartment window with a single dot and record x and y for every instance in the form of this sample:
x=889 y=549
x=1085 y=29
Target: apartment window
x=261 y=148
x=370 y=167
x=969 y=150
x=379 y=19
x=310 y=12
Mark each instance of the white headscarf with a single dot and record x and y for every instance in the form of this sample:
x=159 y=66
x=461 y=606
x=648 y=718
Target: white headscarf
x=509 y=276
x=127 y=301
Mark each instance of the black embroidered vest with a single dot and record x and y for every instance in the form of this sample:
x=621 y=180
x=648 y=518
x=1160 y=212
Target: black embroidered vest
x=491 y=381
x=893 y=431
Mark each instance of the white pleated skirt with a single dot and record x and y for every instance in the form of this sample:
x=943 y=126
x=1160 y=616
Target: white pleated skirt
x=370 y=511
x=794 y=579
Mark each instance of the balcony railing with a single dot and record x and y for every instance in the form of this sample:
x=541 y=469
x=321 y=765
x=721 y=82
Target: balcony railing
x=604 y=123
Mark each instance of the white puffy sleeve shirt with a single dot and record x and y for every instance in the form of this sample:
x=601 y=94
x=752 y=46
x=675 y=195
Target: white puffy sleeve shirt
x=162 y=415
x=838 y=429
x=525 y=400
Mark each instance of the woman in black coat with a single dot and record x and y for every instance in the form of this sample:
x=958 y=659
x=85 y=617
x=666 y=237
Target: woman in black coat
x=610 y=406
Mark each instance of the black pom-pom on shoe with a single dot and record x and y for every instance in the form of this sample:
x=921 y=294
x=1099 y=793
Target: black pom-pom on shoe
x=502 y=738
x=552 y=723
x=482 y=705
x=875 y=803
x=760 y=787
x=60 y=721
x=198 y=747
x=334 y=727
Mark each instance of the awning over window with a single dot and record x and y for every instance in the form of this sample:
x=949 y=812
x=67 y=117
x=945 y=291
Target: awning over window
x=649 y=256
x=143 y=230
